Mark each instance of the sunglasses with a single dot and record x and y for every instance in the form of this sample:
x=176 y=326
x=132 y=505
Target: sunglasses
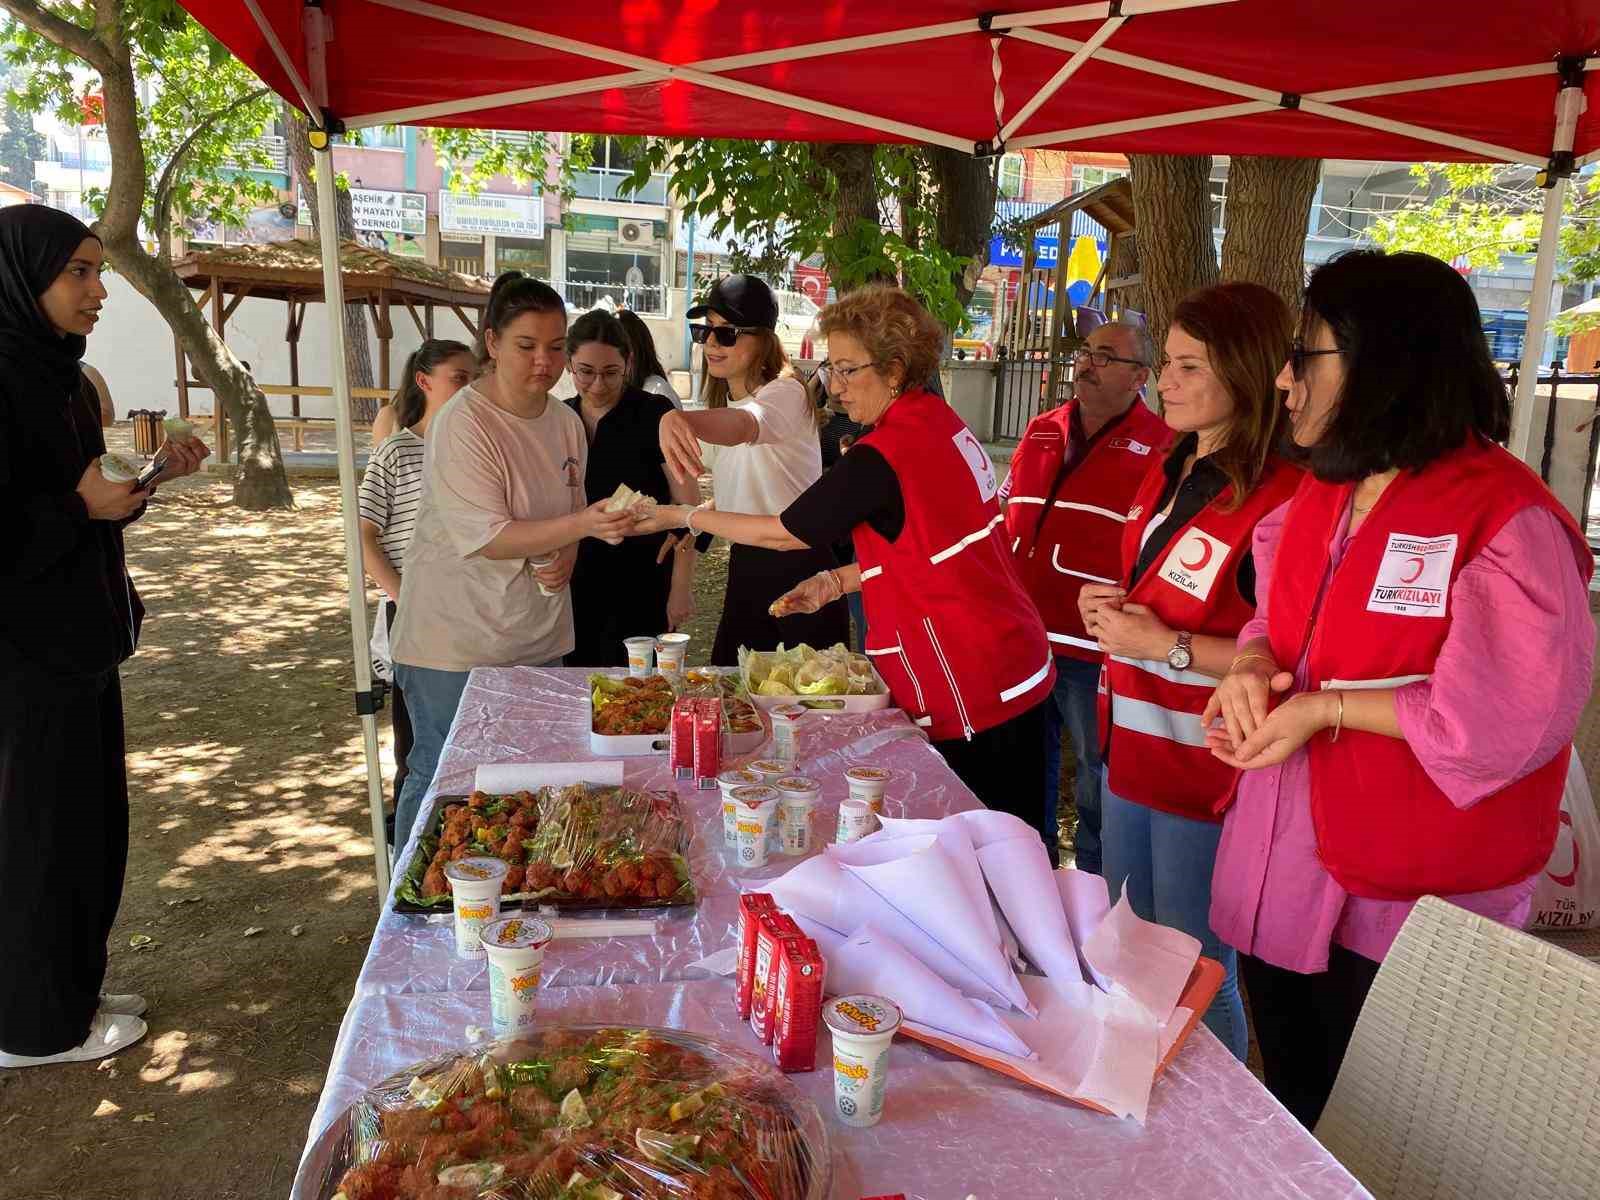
x=725 y=335
x=1298 y=355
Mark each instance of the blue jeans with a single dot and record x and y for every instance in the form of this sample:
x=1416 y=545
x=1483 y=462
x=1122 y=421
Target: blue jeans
x=1074 y=710
x=1164 y=864
x=431 y=700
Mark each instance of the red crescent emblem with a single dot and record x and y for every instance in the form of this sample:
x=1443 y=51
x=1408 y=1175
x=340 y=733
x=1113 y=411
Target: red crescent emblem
x=1569 y=879
x=1198 y=564
x=1415 y=575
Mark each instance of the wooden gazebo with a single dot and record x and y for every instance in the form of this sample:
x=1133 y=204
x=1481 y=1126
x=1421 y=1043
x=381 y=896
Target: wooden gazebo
x=292 y=272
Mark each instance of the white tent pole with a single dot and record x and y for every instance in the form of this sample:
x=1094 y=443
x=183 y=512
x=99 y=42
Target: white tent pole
x=333 y=301
x=1059 y=79
x=1570 y=104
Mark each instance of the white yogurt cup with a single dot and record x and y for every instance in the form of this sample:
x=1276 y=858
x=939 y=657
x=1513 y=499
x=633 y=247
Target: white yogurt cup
x=856 y=820
x=641 y=655
x=867 y=783
x=728 y=782
x=797 y=797
x=475 y=895
x=544 y=560
x=515 y=948
x=670 y=651
x=786 y=720
x=757 y=810
x=862 y=1027
x=770 y=769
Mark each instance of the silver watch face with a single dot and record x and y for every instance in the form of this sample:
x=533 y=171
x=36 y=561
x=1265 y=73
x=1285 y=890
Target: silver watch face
x=1179 y=658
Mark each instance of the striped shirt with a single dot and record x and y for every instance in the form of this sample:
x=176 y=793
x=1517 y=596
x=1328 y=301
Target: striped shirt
x=391 y=492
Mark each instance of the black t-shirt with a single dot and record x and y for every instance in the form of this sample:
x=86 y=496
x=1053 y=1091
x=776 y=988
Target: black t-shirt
x=1203 y=485
x=860 y=488
x=627 y=447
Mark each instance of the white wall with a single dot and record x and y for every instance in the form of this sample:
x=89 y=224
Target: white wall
x=133 y=349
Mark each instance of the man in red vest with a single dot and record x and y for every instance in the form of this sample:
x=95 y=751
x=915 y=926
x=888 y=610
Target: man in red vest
x=1072 y=478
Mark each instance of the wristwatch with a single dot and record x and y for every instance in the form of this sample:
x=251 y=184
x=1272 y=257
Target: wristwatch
x=1181 y=656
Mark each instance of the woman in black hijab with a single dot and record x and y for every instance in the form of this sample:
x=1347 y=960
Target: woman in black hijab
x=68 y=617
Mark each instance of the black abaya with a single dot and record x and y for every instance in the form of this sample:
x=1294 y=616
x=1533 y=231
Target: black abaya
x=68 y=617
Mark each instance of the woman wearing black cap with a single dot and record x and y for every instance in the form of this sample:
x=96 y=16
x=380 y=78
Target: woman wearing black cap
x=68 y=617
x=760 y=425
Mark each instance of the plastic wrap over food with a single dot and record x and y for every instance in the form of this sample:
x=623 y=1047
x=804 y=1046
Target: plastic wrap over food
x=583 y=844
x=580 y=1112
x=950 y=1129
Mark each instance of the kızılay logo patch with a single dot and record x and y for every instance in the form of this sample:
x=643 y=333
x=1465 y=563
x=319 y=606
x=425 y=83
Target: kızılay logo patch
x=1413 y=577
x=1193 y=563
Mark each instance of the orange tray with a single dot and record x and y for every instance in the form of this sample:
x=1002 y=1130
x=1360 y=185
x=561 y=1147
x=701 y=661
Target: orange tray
x=1197 y=995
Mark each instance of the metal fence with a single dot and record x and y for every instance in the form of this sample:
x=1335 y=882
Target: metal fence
x=1022 y=381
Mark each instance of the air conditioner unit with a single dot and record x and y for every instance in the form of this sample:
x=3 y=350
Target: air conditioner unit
x=636 y=233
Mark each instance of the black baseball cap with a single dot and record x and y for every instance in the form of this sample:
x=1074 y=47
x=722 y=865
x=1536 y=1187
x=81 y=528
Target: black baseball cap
x=740 y=300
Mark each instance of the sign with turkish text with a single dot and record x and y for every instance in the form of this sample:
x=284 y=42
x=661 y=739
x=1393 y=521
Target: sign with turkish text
x=493 y=213
x=379 y=210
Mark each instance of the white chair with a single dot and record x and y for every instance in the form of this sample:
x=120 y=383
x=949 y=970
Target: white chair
x=1474 y=1070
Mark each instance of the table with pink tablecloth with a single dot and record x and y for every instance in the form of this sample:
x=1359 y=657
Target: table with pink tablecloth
x=951 y=1128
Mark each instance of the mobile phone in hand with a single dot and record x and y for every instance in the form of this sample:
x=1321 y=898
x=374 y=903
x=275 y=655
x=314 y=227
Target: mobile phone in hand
x=150 y=474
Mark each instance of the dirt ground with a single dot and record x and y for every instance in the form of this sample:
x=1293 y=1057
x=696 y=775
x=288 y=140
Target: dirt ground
x=250 y=897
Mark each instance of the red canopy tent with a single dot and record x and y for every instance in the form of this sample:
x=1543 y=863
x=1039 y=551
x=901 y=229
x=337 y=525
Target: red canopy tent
x=1402 y=80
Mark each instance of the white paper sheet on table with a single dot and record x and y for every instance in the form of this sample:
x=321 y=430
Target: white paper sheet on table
x=501 y=778
x=1149 y=963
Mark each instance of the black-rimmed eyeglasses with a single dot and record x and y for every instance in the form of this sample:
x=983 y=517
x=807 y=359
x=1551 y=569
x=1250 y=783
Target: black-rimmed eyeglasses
x=1104 y=358
x=1298 y=355
x=725 y=335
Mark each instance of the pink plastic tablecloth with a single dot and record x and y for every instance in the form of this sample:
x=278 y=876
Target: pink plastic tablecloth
x=952 y=1128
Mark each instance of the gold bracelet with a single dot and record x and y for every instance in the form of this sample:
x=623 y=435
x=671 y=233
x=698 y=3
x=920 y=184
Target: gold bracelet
x=1338 y=723
x=1244 y=658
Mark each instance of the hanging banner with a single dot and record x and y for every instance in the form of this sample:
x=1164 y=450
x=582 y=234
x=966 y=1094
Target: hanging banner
x=378 y=210
x=490 y=212
x=1007 y=254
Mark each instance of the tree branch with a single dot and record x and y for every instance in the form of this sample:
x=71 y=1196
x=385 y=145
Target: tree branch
x=72 y=38
x=161 y=206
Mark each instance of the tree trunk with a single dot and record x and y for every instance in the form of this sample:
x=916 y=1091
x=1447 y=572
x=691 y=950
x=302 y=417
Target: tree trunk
x=855 y=200
x=1269 y=208
x=261 y=482
x=357 y=345
x=1172 y=213
x=965 y=212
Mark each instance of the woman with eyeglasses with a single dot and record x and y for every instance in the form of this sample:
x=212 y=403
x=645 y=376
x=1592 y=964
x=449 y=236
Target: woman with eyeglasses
x=949 y=626
x=758 y=435
x=1403 y=704
x=1168 y=630
x=642 y=586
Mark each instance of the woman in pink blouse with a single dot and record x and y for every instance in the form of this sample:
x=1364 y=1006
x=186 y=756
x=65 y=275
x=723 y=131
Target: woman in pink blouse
x=1402 y=706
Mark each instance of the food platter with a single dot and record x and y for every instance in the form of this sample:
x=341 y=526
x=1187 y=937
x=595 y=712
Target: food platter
x=832 y=680
x=580 y=847
x=579 y=1112
x=629 y=715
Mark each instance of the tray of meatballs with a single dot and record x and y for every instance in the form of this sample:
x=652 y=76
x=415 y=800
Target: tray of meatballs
x=583 y=846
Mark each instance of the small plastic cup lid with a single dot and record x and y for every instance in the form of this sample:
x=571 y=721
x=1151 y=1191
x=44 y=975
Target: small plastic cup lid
x=516 y=933
x=637 y=643
x=798 y=783
x=737 y=777
x=790 y=712
x=476 y=870
x=769 y=766
x=755 y=795
x=117 y=469
x=867 y=775
x=673 y=639
x=862 y=1015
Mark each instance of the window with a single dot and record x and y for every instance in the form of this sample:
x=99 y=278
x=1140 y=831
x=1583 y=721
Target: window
x=1084 y=178
x=384 y=137
x=1013 y=174
x=600 y=264
x=462 y=254
x=531 y=256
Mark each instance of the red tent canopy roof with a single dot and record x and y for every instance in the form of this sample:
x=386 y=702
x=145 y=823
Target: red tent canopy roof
x=1173 y=76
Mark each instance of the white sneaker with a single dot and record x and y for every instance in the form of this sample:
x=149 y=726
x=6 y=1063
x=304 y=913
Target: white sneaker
x=108 y=1033
x=123 y=1004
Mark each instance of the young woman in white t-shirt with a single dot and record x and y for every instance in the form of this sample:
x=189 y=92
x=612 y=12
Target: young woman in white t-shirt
x=391 y=493
x=761 y=428
x=502 y=512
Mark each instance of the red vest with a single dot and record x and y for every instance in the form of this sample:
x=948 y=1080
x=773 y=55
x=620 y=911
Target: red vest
x=1384 y=830
x=1065 y=530
x=948 y=625
x=1156 y=751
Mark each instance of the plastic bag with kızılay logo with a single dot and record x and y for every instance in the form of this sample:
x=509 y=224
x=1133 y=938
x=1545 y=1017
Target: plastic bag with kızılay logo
x=1567 y=895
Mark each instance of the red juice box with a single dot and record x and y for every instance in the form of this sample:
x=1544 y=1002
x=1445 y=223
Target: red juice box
x=751 y=906
x=680 y=745
x=799 y=1006
x=707 y=743
x=775 y=928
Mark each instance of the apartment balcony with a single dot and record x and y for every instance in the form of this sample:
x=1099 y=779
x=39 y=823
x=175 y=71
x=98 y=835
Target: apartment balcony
x=72 y=173
x=272 y=149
